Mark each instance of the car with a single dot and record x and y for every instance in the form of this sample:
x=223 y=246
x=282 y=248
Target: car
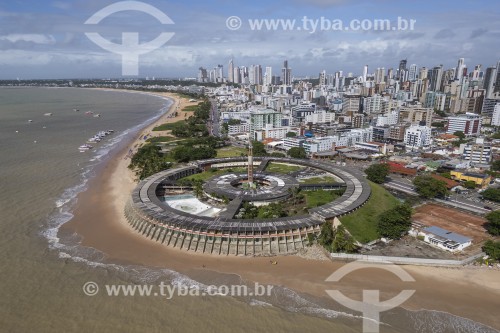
x=488 y=208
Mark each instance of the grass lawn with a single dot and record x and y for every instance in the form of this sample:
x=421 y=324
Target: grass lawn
x=168 y=126
x=362 y=224
x=156 y=139
x=317 y=180
x=282 y=168
x=190 y=108
x=319 y=197
x=231 y=152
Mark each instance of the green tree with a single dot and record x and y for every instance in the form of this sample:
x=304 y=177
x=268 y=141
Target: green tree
x=470 y=184
x=272 y=211
x=377 y=173
x=336 y=239
x=495 y=166
x=493 y=225
x=446 y=175
x=295 y=195
x=428 y=187
x=492 y=249
x=395 y=222
x=258 y=148
x=234 y=122
x=496 y=136
x=198 y=188
x=492 y=194
x=291 y=134
x=326 y=235
x=460 y=134
x=297 y=152
x=248 y=211
x=148 y=160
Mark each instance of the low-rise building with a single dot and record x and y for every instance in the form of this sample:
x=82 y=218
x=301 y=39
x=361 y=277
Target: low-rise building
x=445 y=239
x=319 y=144
x=481 y=180
x=236 y=129
x=293 y=142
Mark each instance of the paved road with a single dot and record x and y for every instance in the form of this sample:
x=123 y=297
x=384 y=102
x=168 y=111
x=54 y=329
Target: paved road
x=457 y=200
x=401 y=186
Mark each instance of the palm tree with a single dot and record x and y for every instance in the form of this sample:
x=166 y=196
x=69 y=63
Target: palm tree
x=294 y=193
x=197 y=188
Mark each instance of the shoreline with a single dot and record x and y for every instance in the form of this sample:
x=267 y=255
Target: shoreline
x=99 y=220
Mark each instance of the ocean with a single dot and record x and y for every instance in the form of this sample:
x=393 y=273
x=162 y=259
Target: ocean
x=42 y=270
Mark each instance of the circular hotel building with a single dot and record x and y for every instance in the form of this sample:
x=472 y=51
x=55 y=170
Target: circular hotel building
x=165 y=209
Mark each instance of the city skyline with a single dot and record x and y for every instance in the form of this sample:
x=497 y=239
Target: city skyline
x=47 y=39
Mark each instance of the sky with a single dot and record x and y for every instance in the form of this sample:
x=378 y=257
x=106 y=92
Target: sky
x=47 y=39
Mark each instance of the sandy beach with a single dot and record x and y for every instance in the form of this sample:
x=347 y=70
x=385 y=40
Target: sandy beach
x=99 y=220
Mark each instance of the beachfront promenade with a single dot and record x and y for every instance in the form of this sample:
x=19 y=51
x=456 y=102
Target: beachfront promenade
x=224 y=234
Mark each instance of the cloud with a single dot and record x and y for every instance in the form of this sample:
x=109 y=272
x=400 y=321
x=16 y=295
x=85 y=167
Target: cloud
x=444 y=33
x=61 y=5
x=320 y=3
x=478 y=32
x=31 y=38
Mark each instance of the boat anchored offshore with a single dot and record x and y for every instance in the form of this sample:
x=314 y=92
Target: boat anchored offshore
x=48 y=114
x=84 y=148
x=99 y=136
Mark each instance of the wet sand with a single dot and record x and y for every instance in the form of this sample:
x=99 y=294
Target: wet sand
x=99 y=220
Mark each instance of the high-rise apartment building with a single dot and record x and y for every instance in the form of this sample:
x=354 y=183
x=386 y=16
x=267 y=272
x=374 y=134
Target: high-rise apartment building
x=286 y=74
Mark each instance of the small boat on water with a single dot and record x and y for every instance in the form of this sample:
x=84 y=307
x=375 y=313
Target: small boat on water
x=84 y=148
x=76 y=110
x=89 y=112
x=99 y=136
x=30 y=121
x=97 y=115
x=94 y=140
x=48 y=114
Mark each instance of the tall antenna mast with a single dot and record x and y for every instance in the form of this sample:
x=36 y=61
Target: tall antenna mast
x=250 y=164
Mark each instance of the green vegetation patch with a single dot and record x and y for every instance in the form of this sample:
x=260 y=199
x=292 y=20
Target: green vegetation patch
x=157 y=139
x=282 y=168
x=318 y=180
x=362 y=223
x=190 y=108
x=170 y=126
x=231 y=152
x=204 y=176
x=320 y=197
